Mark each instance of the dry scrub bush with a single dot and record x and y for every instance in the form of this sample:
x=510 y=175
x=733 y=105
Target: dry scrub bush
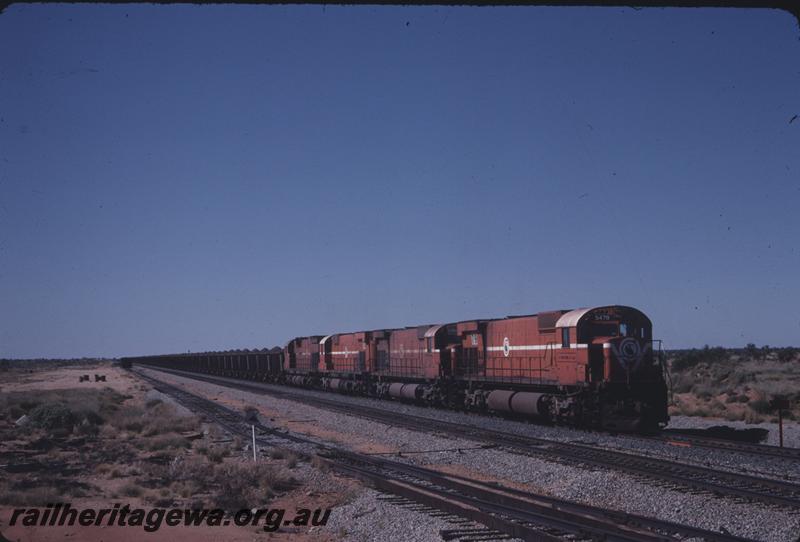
x=245 y=484
x=96 y=405
x=131 y=489
x=216 y=454
x=319 y=463
x=36 y=496
x=276 y=453
x=163 y=418
x=52 y=416
x=164 y=442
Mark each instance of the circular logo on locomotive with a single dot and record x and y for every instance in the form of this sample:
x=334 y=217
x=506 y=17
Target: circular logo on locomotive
x=506 y=347
x=629 y=353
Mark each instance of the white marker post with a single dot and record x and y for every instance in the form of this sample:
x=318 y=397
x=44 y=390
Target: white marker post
x=254 y=442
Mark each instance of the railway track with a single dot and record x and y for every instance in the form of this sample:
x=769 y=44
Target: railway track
x=671 y=437
x=740 y=487
x=506 y=512
x=675 y=438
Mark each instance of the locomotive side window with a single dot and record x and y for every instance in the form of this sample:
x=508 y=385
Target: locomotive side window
x=565 y=337
x=623 y=330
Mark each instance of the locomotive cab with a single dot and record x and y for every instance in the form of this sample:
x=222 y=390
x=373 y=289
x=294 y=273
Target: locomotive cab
x=622 y=368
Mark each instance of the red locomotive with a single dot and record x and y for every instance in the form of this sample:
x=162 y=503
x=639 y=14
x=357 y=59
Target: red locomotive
x=593 y=367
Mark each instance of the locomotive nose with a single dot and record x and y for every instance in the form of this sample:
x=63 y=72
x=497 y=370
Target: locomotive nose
x=628 y=352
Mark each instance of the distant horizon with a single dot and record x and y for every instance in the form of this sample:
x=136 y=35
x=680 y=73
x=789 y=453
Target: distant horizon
x=254 y=349
x=281 y=345
x=180 y=177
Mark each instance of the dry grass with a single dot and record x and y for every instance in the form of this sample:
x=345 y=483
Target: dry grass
x=214 y=453
x=154 y=418
x=169 y=442
x=51 y=409
x=276 y=453
x=119 y=428
x=40 y=490
x=319 y=463
x=131 y=489
x=244 y=484
x=281 y=453
x=163 y=418
x=36 y=496
x=734 y=384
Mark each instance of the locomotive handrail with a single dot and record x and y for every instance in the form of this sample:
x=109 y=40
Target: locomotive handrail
x=664 y=368
x=551 y=347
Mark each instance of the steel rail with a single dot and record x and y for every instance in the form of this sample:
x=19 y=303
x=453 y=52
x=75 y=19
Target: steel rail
x=513 y=512
x=675 y=438
x=714 y=481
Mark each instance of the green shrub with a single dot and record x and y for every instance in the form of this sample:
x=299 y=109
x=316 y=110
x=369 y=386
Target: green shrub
x=52 y=416
x=786 y=355
x=694 y=357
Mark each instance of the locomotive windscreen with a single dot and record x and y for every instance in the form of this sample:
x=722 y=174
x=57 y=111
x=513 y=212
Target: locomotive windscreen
x=603 y=329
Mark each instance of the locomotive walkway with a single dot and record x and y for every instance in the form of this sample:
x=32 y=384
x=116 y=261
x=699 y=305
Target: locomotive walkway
x=506 y=512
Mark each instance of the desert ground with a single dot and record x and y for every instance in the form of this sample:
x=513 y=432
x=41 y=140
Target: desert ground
x=96 y=443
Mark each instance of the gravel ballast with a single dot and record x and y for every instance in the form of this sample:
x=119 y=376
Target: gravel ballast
x=598 y=488
x=368 y=517
x=791 y=430
x=724 y=460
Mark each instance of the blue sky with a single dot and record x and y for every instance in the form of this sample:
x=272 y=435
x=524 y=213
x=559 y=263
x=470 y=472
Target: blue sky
x=179 y=178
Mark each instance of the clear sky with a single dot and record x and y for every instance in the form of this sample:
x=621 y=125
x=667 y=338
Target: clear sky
x=179 y=178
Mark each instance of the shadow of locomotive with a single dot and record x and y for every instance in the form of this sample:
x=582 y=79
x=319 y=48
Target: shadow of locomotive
x=724 y=432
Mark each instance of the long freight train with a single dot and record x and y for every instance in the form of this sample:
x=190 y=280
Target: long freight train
x=592 y=367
